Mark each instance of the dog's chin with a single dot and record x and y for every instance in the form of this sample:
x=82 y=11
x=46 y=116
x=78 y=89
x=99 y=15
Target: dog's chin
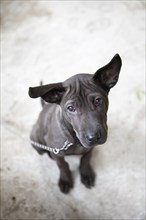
x=91 y=145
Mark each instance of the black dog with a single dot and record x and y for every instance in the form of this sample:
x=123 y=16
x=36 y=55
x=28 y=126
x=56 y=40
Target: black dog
x=75 y=119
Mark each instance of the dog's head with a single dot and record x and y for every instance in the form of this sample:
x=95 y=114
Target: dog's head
x=83 y=99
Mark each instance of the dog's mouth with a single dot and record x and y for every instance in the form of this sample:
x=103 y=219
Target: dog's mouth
x=91 y=144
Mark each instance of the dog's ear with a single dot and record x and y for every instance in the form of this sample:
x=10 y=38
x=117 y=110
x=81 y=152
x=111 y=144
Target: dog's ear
x=108 y=75
x=51 y=93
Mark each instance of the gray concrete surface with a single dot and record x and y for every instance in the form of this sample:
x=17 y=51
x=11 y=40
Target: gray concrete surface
x=50 y=41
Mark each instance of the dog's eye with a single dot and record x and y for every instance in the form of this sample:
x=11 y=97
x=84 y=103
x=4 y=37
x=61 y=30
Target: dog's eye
x=98 y=101
x=71 y=108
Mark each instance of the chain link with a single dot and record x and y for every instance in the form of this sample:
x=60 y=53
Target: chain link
x=66 y=145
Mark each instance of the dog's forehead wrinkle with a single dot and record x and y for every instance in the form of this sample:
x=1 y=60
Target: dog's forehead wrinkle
x=81 y=92
x=80 y=86
x=77 y=80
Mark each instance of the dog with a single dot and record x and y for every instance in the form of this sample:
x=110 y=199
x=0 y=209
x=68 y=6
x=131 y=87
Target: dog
x=74 y=119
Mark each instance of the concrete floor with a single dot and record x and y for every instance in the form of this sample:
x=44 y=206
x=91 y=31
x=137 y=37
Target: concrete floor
x=50 y=41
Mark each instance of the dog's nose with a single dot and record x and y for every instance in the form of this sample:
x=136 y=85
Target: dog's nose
x=91 y=138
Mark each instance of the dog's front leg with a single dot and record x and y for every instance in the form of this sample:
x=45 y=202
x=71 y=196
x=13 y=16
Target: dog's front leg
x=65 y=181
x=86 y=171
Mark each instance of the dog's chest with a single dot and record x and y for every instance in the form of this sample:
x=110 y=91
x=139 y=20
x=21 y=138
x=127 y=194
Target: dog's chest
x=74 y=150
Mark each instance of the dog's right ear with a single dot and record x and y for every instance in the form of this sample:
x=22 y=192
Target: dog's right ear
x=51 y=93
x=108 y=75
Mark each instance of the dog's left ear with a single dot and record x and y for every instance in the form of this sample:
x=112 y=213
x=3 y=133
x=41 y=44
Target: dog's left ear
x=108 y=75
x=51 y=93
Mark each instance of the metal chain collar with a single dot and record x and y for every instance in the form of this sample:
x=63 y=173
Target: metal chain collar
x=66 y=145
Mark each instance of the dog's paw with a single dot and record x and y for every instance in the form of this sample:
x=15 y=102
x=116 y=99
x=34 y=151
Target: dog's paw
x=65 y=185
x=88 y=178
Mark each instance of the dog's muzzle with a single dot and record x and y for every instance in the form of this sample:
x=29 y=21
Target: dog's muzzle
x=93 y=139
